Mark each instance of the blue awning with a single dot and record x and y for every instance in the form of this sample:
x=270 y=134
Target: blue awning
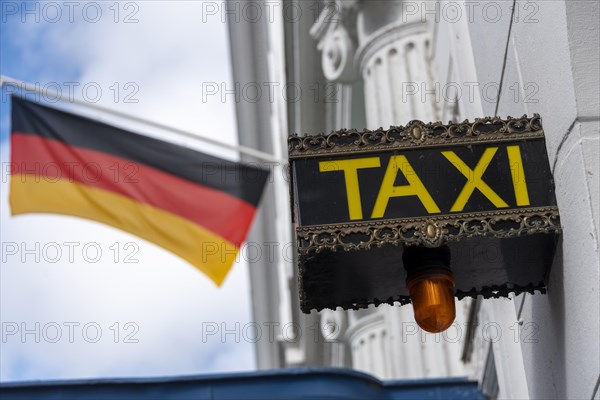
x=303 y=383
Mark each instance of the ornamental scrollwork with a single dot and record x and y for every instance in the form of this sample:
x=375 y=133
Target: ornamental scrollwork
x=416 y=134
x=427 y=231
x=487 y=292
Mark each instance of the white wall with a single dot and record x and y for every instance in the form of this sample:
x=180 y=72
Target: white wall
x=544 y=56
x=546 y=60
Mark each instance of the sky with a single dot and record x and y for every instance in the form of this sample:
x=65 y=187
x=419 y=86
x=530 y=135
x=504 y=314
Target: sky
x=82 y=300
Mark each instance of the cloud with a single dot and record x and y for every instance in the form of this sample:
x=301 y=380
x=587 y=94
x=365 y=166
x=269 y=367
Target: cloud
x=162 y=61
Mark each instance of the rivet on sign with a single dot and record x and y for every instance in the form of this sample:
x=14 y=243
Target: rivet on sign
x=416 y=132
x=431 y=230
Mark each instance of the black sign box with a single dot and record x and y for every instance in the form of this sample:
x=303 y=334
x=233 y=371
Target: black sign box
x=484 y=188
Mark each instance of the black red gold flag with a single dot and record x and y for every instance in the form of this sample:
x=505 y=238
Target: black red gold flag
x=197 y=206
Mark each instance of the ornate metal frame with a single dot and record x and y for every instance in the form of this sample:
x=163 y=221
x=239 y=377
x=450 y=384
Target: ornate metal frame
x=432 y=230
x=427 y=231
x=487 y=292
x=416 y=133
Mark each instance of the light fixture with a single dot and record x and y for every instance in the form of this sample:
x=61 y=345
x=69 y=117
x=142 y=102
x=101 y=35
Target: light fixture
x=366 y=202
x=430 y=284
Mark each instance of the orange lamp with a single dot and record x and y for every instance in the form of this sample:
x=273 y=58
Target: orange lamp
x=430 y=284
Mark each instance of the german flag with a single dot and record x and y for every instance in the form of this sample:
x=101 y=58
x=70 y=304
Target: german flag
x=197 y=206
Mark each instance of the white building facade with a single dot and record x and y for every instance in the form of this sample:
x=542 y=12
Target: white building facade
x=356 y=64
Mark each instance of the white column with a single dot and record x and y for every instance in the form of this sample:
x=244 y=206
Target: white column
x=393 y=62
x=397 y=77
x=370 y=40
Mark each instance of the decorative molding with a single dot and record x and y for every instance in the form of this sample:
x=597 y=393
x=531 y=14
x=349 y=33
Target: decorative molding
x=335 y=13
x=335 y=31
x=333 y=325
x=365 y=326
x=337 y=56
x=427 y=231
x=416 y=134
x=400 y=32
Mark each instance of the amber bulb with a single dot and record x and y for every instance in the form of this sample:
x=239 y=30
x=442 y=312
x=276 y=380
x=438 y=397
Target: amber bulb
x=432 y=295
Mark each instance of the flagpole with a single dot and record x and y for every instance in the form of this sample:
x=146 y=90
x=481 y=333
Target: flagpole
x=248 y=151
